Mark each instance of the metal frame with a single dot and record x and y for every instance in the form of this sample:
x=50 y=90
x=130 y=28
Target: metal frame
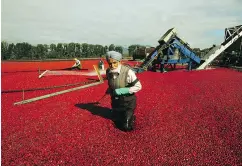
x=169 y=41
x=231 y=31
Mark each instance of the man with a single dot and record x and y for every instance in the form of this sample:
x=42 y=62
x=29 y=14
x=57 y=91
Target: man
x=101 y=65
x=123 y=84
x=77 y=64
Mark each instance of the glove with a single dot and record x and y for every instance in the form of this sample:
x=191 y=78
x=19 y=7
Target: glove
x=122 y=91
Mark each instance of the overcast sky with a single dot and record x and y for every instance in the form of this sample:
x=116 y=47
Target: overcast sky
x=121 y=22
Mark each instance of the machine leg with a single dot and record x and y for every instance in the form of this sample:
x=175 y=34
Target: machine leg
x=190 y=66
x=161 y=68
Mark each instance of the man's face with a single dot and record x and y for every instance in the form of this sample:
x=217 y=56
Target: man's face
x=113 y=64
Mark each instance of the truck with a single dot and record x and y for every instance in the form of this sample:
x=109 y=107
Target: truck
x=142 y=52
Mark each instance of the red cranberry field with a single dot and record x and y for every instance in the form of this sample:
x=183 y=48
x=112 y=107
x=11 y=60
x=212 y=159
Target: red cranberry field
x=182 y=118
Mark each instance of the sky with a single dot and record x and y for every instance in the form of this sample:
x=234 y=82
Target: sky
x=118 y=22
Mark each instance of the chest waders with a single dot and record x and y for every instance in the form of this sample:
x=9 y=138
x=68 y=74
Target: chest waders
x=122 y=106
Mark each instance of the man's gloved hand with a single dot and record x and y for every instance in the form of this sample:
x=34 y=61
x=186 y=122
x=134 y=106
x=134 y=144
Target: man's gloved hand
x=122 y=91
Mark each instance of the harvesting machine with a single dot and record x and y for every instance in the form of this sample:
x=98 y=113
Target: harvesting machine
x=172 y=50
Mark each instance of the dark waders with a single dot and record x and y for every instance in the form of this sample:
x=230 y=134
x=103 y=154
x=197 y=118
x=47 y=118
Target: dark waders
x=123 y=111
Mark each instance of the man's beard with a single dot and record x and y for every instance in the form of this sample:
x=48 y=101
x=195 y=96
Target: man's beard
x=114 y=70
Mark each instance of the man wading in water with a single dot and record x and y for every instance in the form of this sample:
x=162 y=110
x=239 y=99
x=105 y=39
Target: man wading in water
x=123 y=84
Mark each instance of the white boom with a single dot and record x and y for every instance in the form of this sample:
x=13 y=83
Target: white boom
x=218 y=51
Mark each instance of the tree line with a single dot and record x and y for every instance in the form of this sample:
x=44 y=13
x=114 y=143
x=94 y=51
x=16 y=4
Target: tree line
x=26 y=51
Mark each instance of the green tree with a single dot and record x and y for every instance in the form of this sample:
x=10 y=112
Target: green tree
x=22 y=50
x=105 y=48
x=98 y=51
x=4 y=51
x=34 y=52
x=11 y=51
x=119 y=49
x=85 y=50
x=52 y=53
x=65 y=50
x=46 y=51
x=60 y=50
x=131 y=49
x=111 y=47
x=71 y=50
x=91 y=50
x=40 y=51
x=78 y=50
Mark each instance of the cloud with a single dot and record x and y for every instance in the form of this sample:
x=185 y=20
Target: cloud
x=119 y=22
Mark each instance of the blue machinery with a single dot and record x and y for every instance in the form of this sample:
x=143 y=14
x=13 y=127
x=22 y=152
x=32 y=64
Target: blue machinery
x=171 y=51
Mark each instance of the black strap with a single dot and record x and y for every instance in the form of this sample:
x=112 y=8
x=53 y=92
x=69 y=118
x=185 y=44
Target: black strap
x=133 y=83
